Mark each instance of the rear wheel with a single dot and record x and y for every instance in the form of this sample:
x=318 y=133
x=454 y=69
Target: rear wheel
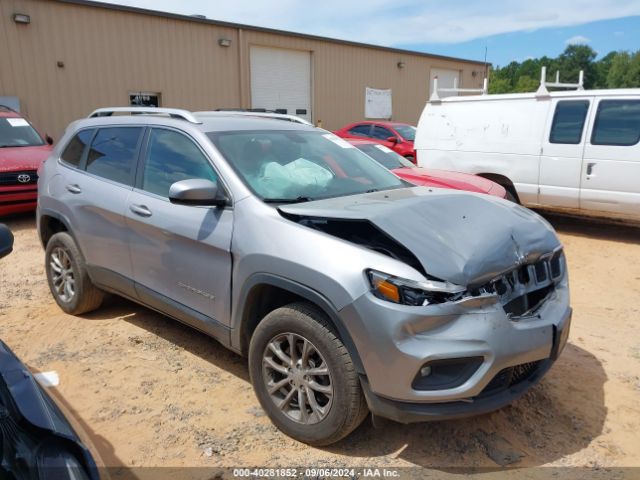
x=304 y=377
x=67 y=276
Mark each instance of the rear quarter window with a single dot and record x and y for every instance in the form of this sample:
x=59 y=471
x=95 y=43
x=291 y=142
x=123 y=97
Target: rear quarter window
x=72 y=154
x=617 y=123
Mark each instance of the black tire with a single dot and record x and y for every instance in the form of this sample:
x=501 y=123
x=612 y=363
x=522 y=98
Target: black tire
x=347 y=408
x=85 y=296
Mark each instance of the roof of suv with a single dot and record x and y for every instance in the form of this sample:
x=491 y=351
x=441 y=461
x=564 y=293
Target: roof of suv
x=202 y=120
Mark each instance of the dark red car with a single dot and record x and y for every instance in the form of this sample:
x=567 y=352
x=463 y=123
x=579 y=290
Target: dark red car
x=427 y=177
x=22 y=151
x=394 y=135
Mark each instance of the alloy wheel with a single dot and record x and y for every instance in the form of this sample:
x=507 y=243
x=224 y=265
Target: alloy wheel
x=297 y=378
x=62 y=274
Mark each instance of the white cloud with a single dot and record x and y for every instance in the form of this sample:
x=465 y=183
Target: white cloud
x=577 y=40
x=401 y=22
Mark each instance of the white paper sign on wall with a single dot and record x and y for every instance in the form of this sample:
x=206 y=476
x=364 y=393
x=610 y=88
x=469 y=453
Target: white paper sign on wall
x=377 y=103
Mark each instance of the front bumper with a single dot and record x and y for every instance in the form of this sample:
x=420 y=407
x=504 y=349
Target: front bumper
x=18 y=199
x=395 y=342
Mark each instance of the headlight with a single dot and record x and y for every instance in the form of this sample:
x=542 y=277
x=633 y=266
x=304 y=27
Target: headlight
x=409 y=292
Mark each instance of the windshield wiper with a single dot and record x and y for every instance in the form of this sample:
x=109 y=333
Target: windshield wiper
x=300 y=199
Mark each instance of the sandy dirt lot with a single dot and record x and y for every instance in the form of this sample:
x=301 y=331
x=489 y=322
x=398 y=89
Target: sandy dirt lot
x=151 y=392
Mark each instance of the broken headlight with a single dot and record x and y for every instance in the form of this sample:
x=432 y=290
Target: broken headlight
x=409 y=292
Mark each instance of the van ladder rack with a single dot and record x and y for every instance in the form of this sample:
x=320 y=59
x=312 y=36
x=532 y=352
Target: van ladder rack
x=172 y=112
x=436 y=98
x=544 y=92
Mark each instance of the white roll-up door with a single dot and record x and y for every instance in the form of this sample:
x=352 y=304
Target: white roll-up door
x=446 y=79
x=281 y=80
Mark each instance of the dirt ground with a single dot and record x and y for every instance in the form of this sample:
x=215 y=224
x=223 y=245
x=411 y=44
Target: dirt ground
x=152 y=392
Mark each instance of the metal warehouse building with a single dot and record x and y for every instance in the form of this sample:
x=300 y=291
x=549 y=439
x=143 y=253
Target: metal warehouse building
x=60 y=59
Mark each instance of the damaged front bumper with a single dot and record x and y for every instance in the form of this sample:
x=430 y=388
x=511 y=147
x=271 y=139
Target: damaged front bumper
x=454 y=359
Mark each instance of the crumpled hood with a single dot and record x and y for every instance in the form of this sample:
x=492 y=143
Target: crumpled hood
x=464 y=238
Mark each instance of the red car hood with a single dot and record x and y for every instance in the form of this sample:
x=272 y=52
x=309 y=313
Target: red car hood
x=446 y=179
x=23 y=158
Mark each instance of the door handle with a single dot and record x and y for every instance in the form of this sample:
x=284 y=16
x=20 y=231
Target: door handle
x=590 y=168
x=141 y=210
x=74 y=188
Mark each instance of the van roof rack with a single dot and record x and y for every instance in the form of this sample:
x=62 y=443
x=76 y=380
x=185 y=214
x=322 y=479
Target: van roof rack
x=172 y=112
x=436 y=98
x=544 y=92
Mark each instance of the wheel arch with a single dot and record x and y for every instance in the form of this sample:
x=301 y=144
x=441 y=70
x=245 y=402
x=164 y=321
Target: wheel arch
x=50 y=223
x=264 y=292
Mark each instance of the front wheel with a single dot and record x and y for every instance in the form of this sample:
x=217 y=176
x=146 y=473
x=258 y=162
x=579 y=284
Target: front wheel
x=304 y=377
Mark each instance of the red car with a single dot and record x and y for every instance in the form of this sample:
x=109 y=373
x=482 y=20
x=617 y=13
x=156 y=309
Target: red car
x=22 y=151
x=427 y=178
x=396 y=136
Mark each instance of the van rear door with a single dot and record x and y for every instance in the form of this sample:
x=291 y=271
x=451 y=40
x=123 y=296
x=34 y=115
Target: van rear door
x=610 y=177
x=561 y=152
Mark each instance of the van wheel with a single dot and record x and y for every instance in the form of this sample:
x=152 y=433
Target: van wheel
x=67 y=276
x=304 y=377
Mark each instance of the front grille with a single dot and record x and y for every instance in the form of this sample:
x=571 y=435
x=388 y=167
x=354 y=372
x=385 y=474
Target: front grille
x=18 y=178
x=524 y=290
x=510 y=377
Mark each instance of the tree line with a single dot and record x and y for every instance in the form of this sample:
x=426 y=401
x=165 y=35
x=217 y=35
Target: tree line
x=614 y=70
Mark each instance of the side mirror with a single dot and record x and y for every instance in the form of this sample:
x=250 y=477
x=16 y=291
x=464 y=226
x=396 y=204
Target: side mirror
x=6 y=241
x=48 y=139
x=392 y=139
x=196 y=191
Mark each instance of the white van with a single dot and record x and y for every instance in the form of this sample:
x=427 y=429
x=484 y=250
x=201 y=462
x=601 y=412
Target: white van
x=572 y=151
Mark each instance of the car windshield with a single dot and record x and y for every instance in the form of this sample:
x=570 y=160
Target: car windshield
x=407 y=131
x=296 y=166
x=16 y=132
x=385 y=156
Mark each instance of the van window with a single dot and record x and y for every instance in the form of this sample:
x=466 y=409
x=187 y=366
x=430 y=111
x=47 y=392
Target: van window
x=172 y=157
x=113 y=153
x=617 y=123
x=72 y=155
x=568 y=121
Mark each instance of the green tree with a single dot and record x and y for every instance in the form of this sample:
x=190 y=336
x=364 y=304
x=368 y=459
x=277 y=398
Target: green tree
x=614 y=70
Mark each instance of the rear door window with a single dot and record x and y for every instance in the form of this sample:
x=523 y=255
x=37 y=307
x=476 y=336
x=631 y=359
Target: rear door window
x=114 y=152
x=361 y=131
x=617 y=123
x=171 y=157
x=568 y=121
x=72 y=154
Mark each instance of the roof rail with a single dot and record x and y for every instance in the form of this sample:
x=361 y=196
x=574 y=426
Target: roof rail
x=172 y=112
x=250 y=113
x=436 y=98
x=544 y=92
x=7 y=108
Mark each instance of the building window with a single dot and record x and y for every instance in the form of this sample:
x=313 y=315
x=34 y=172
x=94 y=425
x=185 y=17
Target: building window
x=144 y=99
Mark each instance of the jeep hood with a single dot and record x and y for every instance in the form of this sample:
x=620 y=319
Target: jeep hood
x=467 y=239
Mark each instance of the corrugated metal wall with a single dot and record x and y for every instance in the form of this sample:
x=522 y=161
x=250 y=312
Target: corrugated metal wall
x=109 y=53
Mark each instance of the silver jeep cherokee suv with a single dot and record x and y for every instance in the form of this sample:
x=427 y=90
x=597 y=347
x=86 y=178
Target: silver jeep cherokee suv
x=349 y=290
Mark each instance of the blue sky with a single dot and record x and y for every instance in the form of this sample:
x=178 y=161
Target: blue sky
x=510 y=29
x=603 y=36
